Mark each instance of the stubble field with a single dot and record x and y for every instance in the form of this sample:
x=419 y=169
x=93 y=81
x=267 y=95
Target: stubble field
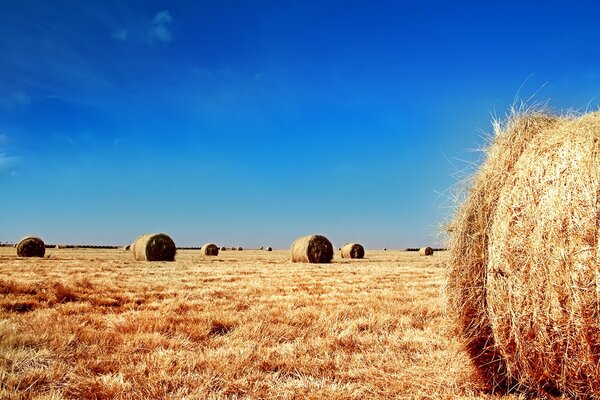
x=95 y=324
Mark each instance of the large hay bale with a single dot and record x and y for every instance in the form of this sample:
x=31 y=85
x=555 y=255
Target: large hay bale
x=210 y=249
x=312 y=249
x=353 y=250
x=154 y=247
x=426 y=251
x=525 y=257
x=31 y=246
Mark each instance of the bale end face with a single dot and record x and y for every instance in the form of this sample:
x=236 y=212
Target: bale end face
x=31 y=246
x=312 y=249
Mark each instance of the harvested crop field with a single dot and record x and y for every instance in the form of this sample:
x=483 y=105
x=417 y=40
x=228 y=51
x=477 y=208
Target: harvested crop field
x=96 y=324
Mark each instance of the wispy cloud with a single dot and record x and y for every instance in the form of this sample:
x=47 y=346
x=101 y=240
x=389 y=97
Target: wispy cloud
x=8 y=163
x=160 y=30
x=14 y=99
x=120 y=35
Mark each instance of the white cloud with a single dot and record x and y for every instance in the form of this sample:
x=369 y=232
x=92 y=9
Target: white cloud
x=163 y=17
x=160 y=27
x=120 y=35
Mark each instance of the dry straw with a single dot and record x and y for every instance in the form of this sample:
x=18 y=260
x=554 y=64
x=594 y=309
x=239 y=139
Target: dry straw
x=31 y=246
x=525 y=258
x=154 y=247
x=425 y=251
x=210 y=249
x=353 y=250
x=312 y=249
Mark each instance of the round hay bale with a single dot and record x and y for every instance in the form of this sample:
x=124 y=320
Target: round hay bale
x=269 y=248
x=261 y=248
x=525 y=258
x=31 y=246
x=353 y=250
x=127 y=247
x=425 y=251
x=223 y=248
x=240 y=249
x=154 y=247
x=210 y=249
x=312 y=249
x=385 y=249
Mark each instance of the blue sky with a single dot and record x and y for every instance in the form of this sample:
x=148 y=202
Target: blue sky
x=254 y=122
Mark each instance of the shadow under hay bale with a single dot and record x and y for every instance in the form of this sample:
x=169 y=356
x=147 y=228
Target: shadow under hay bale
x=154 y=247
x=31 y=246
x=353 y=250
x=524 y=257
x=312 y=249
x=210 y=249
x=426 y=251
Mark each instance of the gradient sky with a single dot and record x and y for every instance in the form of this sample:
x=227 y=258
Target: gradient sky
x=253 y=122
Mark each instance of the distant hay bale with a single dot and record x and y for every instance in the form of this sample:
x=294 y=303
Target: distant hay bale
x=269 y=248
x=223 y=248
x=210 y=249
x=240 y=249
x=525 y=258
x=425 y=251
x=312 y=249
x=127 y=247
x=385 y=249
x=31 y=246
x=261 y=248
x=154 y=247
x=353 y=250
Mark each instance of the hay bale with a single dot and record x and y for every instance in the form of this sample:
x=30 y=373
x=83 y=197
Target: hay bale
x=154 y=247
x=127 y=247
x=223 y=248
x=262 y=248
x=269 y=248
x=312 y=249
x=425 y=251
x=31 y=246
x=240 y=249
x=525 y=257
x=385 y=249
x=210 y=249
x=353 y=250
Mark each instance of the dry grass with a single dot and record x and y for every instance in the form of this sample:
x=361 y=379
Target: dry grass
x=95 y=324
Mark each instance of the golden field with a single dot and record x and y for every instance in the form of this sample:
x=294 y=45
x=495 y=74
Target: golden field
x=95 y=324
